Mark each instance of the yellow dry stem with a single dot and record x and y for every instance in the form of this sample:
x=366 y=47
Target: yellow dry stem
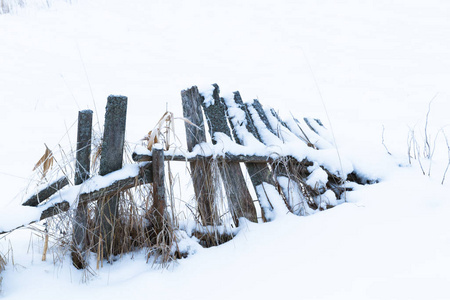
x=44 y=254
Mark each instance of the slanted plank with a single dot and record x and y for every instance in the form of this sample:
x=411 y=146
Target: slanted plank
x=201 y=172
x=287 y=167
x=280 y=121
x=262 y=115
x=259 y=172
x=240 y=201
x=46 y=192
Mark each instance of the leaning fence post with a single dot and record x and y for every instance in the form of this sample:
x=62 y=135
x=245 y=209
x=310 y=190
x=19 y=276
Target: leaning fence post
x=200 y=170
x=82 y=167
x=111 y=160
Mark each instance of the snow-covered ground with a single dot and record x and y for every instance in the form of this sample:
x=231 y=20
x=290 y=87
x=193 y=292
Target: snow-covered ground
x=360 y=66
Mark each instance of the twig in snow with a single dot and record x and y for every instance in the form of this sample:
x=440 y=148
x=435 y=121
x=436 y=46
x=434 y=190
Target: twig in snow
x=382 y=141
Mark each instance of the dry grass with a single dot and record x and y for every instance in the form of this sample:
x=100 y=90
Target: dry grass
x=2 y=268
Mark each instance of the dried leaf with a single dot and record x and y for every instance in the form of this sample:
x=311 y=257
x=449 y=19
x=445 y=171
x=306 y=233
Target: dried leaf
x=46 y=161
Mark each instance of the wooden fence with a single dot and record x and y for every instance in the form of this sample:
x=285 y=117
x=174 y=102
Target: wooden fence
x=230 y=120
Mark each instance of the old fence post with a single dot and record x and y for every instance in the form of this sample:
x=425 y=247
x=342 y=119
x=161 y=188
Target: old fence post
x=240 y=201
x=157 y=211
x=200 y=170
x=111 y=160
x=82 y=167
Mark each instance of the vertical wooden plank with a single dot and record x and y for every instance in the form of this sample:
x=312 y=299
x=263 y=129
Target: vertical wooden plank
x=159 y=191
x=200 y=170
x=239 y=199
x=113 y=135
x=83 y=165
x=111 y=160
x=83 y=156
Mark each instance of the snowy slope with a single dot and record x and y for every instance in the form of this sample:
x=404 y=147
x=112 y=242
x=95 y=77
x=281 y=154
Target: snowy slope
x=357 y=65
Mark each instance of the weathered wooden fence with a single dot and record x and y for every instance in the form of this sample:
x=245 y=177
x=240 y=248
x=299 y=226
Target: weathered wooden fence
x=280 y=178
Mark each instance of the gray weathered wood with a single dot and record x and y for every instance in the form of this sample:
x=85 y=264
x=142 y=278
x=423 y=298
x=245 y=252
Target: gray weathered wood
x=262 y=115
x=249 y=125
x=311 y=125
x=305 y=137
x=275 y=114
x=47 y=192
x=145 y=176
x=201 y=172
x=83 y=154
x=157 y=211
x=83 y=165
x=288 y=166
x=259 y=172
x=240 y=201
x=111 y=160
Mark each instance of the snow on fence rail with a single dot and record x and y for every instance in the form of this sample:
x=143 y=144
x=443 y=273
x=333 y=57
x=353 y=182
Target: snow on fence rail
x=292 y=164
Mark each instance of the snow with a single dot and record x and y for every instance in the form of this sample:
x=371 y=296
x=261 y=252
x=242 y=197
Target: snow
x=358 y=66
x=318 y=178
x=207 y=92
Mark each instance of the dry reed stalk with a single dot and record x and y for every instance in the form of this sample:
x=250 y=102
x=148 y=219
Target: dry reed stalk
x=164 y=131
x=44 y=253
